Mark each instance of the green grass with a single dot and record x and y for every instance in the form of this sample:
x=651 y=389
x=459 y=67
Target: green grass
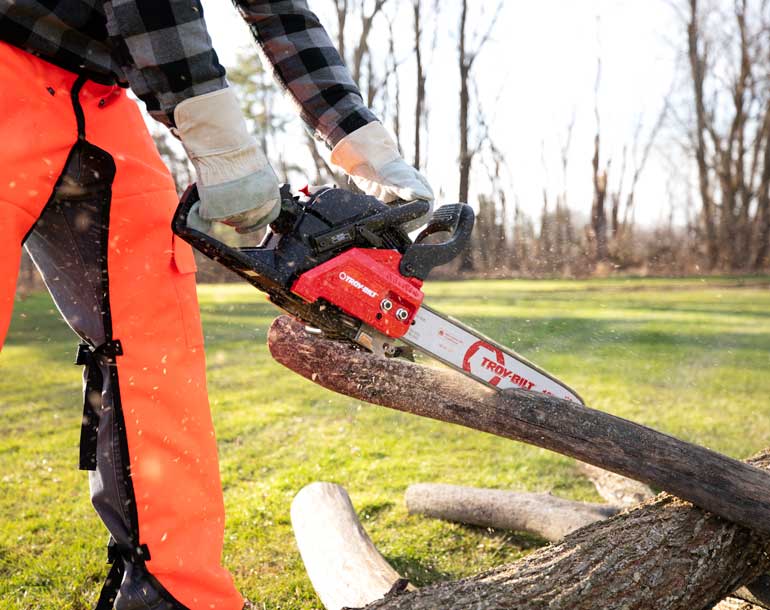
x=690 y=357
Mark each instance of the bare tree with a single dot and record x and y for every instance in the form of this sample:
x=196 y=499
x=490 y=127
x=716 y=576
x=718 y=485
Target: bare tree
x=466 y=59
x=174 y=158
x=362 y=47
x=419 y=105
x=729 y=59
x=598 y=212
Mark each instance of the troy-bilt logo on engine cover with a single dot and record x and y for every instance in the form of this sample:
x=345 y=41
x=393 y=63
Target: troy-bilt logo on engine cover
x=496 y=366
x=357 y=285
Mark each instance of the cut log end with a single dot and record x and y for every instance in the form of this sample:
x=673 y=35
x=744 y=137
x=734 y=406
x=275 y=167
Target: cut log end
x=342 y=562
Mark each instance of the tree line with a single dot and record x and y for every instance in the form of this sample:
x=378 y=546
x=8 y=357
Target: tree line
x=713 y=126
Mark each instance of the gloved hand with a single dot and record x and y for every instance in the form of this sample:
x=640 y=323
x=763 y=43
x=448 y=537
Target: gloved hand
x=236 y=184
x=370 y=157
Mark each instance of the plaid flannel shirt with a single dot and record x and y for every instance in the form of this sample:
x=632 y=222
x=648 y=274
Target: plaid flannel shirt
x=161 y=48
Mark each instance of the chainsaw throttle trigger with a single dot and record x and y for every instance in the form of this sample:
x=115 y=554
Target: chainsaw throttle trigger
x=420 y=258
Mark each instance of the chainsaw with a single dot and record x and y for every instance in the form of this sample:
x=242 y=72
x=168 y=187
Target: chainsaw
x=341 y=263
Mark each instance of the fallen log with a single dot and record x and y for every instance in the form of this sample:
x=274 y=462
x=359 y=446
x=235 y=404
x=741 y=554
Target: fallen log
x=665 y=555
x=737 y=491
x=343 y=564
x=547 y=516
x=626 y=492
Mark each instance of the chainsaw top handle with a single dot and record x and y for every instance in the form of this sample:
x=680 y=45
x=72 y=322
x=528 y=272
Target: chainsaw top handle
x=457 y=220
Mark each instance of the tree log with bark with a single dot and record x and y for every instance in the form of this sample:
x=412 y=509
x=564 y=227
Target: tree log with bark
x=666 y=554
x=732 y=489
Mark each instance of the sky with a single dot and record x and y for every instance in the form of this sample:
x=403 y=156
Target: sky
x=537 y=71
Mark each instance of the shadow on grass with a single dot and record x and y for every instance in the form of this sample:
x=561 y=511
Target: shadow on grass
x=422 y=572
x=419 y=572
x=369 y=512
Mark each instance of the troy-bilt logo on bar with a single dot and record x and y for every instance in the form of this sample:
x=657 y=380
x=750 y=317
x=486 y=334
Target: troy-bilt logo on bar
x=496 y=366
x=357 y=285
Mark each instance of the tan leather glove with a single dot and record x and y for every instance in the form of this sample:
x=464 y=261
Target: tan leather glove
x=370 y=157
x=236 y=184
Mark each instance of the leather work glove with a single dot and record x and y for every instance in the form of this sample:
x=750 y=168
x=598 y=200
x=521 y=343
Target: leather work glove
x=370 y=157
x=236 y=184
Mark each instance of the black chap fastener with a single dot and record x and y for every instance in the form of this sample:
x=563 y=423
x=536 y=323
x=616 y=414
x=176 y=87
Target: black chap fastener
x=92 y=358
x=118 y=555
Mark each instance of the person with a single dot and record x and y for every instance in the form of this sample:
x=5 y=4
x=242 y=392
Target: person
x=83 y=188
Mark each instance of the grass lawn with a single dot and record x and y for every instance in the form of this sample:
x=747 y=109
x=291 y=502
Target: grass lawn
x=689 y=357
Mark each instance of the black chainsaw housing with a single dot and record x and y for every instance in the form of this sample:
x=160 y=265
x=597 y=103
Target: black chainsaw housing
x=312 y=230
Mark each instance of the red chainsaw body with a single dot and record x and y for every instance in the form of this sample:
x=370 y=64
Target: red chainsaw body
x=367 y=284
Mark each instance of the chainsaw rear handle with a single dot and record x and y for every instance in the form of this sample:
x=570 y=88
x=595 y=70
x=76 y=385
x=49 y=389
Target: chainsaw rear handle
x=250 y=263
x=420 y=258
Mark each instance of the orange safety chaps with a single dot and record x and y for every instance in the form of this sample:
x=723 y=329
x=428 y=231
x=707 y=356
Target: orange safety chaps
x=83 y=188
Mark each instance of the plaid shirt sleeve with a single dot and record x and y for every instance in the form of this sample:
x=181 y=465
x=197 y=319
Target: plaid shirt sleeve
x=308 y=66
x=165 y=52
x=166 y=55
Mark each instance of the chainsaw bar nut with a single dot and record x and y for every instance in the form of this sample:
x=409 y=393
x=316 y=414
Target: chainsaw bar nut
x=386 y=304
x=402 y=314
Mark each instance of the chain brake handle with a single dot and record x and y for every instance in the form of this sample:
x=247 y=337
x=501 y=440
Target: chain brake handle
x=455 y=219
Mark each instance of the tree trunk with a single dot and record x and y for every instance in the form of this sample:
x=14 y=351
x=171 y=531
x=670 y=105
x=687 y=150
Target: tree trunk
x=697 y=71
x=347 y=569
x=466 y=259
x=419 y=105
x=665 y=554
x=614 y=488
x=715 y=482
x=763 y=198
x=598 y=212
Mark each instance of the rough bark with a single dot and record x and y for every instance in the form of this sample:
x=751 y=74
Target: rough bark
x=735 y=490
x=665 y=554
x=346 y=568
x=547 y=516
